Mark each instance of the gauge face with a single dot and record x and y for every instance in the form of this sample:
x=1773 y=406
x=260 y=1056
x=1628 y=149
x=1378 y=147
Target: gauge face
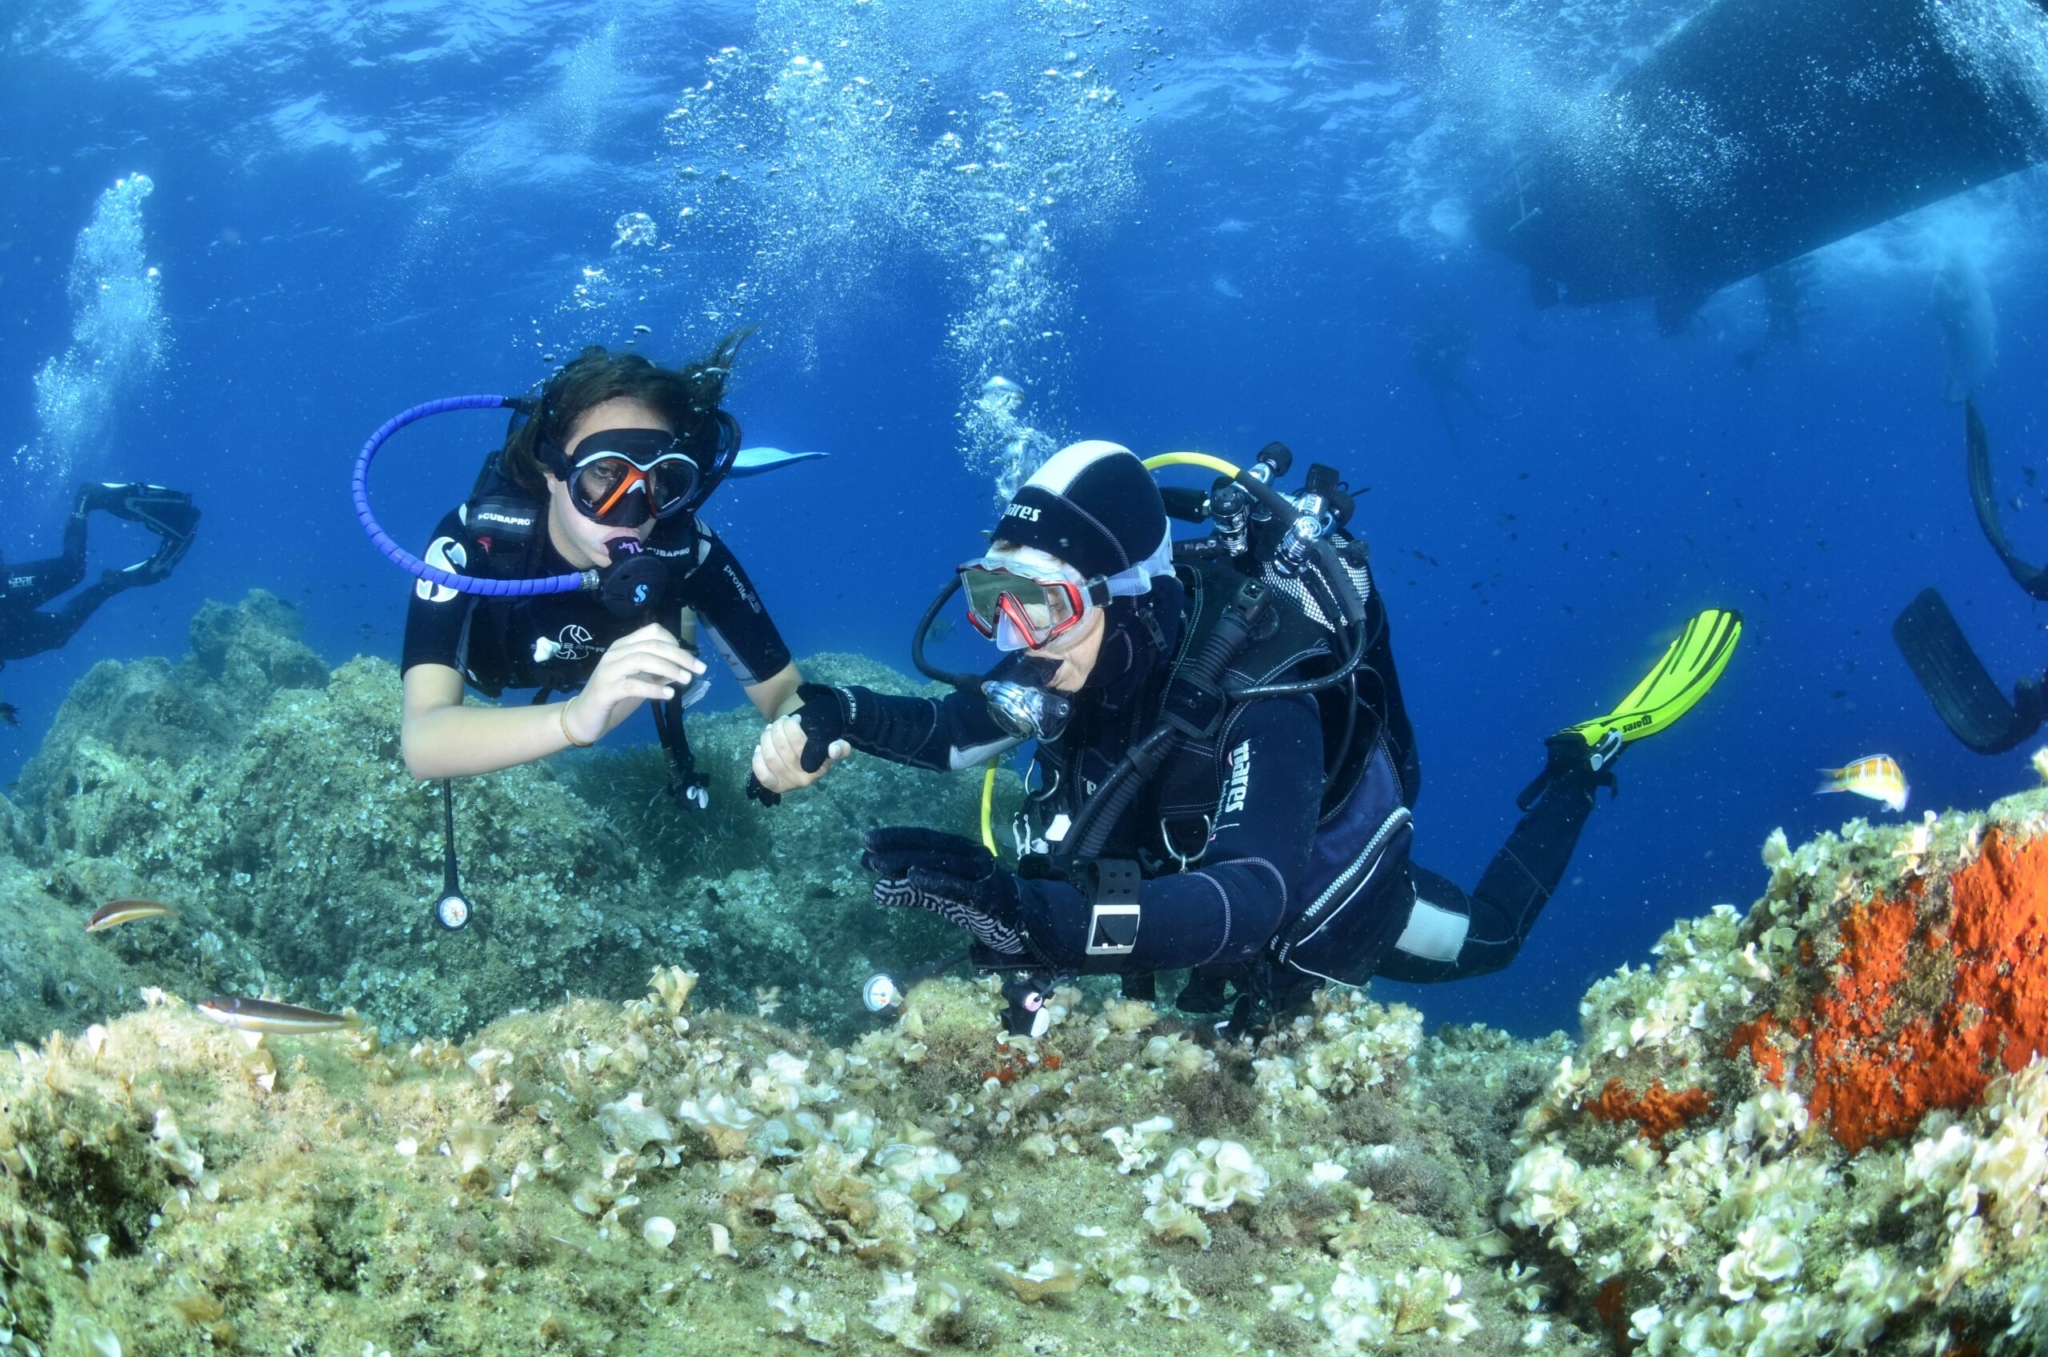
x=451 y=912
x=879 y=994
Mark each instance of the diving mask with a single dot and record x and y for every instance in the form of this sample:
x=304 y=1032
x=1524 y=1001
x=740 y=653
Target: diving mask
x=1021 y=605
x=624 y=477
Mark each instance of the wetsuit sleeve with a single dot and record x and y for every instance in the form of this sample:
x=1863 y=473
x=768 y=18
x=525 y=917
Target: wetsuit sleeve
x=438 y=617
x=730 y=609
x=942 y=734
x=1228 y=908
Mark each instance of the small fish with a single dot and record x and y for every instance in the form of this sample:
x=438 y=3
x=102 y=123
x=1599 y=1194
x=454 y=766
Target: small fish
x=1877 y=777
x=10 y=713
x=116 y=912
x=265 y=1015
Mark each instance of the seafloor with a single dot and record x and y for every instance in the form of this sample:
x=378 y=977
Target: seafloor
x=1812 y=1126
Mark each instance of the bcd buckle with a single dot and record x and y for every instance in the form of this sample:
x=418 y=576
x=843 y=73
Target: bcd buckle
x=1113 y=910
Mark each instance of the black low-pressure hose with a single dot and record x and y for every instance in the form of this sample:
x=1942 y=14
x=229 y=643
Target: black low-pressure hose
x=1097 y=818
x=966 y=683
x=1330 y=766
x=1335 y=594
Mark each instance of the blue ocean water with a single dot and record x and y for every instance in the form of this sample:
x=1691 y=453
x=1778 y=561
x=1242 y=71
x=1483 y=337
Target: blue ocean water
x=1202 y=225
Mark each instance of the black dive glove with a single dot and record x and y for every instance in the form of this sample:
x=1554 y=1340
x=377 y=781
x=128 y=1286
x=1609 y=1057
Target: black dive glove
x=1568 y=768
x=827 y=714
x=955 y=878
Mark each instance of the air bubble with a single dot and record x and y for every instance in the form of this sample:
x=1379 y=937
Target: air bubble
x=633 y=230
x=833 y=181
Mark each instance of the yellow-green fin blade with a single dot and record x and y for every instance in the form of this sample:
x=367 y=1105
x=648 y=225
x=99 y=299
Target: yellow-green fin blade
x=1680 y=679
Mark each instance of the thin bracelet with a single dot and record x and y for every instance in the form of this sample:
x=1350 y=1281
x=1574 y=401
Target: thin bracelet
x=562 y=720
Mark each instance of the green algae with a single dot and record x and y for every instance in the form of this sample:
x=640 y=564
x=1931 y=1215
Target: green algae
x=183 y=1191
x=264 y=798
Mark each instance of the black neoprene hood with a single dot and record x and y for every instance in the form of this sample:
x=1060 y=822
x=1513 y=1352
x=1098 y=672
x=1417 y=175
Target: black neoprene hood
x=1092 y=505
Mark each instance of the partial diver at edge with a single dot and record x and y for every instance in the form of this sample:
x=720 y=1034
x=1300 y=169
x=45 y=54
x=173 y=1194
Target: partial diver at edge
x=1965 y=696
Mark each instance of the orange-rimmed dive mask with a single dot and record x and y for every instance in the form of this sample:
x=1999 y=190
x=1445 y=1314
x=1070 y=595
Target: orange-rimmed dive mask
x=624 y=477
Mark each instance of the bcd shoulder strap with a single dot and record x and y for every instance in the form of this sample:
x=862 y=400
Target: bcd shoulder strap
x=505 y=519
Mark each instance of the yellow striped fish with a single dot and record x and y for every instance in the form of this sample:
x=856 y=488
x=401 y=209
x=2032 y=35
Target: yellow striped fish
x=1877 y=777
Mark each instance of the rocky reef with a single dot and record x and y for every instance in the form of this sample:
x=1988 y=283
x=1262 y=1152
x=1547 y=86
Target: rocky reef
x=1818 y=1125
x=262 y=796
x=641 y=1177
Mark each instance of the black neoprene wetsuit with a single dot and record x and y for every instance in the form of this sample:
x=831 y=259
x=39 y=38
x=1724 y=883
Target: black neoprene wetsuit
x=553 y=641
x=1220 y=902
x=25 y=629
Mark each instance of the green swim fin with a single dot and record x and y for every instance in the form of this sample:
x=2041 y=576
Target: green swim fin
x=1670 y=690
x=1680 y=679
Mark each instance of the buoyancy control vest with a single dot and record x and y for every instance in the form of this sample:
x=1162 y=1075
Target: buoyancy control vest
x=1333 y=926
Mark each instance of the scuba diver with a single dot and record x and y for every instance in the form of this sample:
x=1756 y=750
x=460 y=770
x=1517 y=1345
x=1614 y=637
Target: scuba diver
x=579 y=565
x=25 y=630
x=1963 y=692
x=1441 y=355
x=1225 y=774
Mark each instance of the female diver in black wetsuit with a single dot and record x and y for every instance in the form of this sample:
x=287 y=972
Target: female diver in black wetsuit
x=605 y=478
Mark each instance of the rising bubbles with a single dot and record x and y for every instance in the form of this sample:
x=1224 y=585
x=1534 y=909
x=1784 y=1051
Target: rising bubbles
x=117 y=333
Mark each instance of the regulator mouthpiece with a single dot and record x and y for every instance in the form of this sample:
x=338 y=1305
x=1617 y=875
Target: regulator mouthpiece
x=1028 y=713
x=636 y=581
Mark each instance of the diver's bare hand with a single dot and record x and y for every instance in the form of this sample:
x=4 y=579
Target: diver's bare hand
x=778 y=758
x=648 y=665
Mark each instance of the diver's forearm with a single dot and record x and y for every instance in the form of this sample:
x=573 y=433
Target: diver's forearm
x=466 y=741
x=776 y=695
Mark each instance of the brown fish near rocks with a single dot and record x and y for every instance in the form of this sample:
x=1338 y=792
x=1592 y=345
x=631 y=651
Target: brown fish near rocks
x=266 y=1015
x=127 y=911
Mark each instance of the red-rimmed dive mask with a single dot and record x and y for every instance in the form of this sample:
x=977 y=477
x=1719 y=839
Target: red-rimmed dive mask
x=1040 y=604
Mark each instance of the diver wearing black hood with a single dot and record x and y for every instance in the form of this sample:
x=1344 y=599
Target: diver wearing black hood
x=1224 y=779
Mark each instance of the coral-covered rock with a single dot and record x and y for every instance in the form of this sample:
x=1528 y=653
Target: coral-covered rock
x=1816 y=1126
x=1938 y=987
x=264 y=798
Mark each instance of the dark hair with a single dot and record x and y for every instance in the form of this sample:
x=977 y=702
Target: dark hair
x=686 y=397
